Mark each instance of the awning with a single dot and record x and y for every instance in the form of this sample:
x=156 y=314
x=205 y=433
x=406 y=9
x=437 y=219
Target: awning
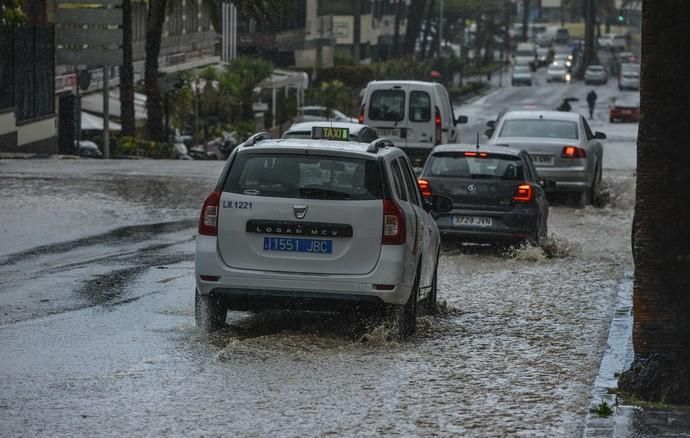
x=90 y=122
x=93 y=103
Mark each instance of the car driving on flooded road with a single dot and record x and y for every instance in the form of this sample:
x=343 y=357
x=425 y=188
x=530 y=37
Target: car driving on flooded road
x=316 y=225
x=562 y=146
x=496 y=192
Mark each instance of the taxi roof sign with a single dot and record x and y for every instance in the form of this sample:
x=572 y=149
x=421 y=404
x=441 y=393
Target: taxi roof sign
x=330 y=133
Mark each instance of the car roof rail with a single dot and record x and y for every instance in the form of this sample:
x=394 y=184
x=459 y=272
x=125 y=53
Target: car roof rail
x=256 y=138
x=378 y=144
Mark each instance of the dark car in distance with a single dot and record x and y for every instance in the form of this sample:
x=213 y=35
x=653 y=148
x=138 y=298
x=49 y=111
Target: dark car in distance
x=497 y=195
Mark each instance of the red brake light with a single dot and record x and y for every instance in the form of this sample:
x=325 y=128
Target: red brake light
x=208 y=221
x=424 y=187
x=573 y=152
x=361 y=115
x=393 y=223
x=477 y=154
x=439 y=122
x=523 y=193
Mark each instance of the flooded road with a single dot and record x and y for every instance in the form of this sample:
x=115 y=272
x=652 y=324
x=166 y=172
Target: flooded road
x=97 y=329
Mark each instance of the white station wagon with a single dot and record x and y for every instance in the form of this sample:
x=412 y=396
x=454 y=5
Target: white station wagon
x=320 y=225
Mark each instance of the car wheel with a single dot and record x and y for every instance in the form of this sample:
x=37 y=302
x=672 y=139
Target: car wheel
x=432 y=299
x=595 y=191
x=209 y=312
x=405 y=316
x=611 y=120
x=584 y=198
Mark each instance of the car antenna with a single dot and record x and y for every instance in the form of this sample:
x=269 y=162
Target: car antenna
x=477 y=140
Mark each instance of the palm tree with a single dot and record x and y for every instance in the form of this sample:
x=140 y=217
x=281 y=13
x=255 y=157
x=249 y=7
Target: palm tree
x=661 y=295
x=127 y=72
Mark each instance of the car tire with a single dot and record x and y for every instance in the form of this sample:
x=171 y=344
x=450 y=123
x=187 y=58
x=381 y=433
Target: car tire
x=432 y=300
x=405 y=316
x=583 y=198
x=209 y=312
x=595 y=191
x=612 y=120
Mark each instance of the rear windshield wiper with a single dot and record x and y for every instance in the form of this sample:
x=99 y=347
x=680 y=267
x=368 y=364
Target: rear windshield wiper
x=319 y=193
x=482 y=176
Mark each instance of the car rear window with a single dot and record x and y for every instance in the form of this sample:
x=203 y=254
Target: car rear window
x=460 y=165
x=304 y=176
x=541 y=128
x=420 y=106
x=387 y=105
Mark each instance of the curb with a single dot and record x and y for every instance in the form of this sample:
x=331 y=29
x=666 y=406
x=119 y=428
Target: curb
x=617 y=358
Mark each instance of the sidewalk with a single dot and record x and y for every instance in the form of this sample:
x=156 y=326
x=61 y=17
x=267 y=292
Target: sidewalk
x=628 y=420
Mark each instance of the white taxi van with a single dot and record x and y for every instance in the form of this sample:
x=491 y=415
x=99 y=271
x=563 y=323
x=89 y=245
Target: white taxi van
x=317 y=224
x=415 y=115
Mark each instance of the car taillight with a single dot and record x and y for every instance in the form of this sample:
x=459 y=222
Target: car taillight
x=208 y=221
x=573 y=152
x=393 y=223
x=361 y=115
x=438 y=122
x=523 y=193
x=477 y=154
x=424 y=187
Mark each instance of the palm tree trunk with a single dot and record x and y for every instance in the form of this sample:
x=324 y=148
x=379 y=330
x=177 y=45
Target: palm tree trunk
x=525 y=19
x=661 y=296
x=127 y=72
x=415 y=16
x=396 y=28
x=427 y=29
x=154 y=34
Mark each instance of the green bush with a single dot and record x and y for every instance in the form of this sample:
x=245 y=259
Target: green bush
x=456 y=93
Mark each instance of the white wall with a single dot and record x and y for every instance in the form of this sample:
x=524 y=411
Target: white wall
x=41 y=130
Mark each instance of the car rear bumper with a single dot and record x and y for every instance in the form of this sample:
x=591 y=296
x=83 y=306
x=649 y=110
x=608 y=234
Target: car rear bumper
x=517 y=224
x=567 y=179
x=261 y=299
x=276 y=287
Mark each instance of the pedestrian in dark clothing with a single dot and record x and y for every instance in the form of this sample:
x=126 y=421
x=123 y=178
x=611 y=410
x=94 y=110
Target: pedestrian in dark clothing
x=591 y=101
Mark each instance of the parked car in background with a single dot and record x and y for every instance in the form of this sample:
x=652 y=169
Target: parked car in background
x=624 y=109
x=89 y=149
x=318 y=113
x=521 y=75
x=596 y=74
x=330 y=130
x=561 y=145
x=497 y=194
x=557 y=72
x=415 y=115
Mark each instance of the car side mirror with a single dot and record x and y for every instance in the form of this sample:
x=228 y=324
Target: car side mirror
x=600 y=135
x=489 y=132
x=441 y=204
x=461 y=120
x=491 y=124
x=548 y=184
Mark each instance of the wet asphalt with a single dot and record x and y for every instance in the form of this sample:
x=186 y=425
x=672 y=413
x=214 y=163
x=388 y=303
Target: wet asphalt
x=97 y=330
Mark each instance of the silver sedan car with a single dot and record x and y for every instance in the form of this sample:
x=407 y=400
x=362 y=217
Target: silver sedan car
x=562 y=146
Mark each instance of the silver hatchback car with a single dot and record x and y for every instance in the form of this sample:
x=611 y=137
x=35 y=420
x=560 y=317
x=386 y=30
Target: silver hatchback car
x=562 y=146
